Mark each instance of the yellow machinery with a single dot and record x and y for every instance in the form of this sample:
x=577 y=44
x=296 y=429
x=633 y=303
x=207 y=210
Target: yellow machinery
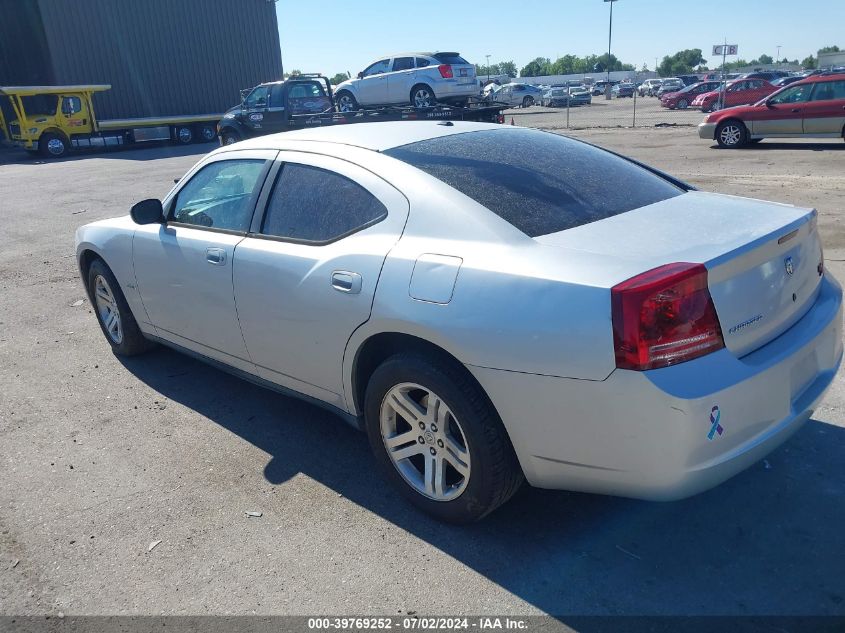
x=53 y=120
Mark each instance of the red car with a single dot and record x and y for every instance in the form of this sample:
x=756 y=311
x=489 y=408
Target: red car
x=811 y=108
x=738 y=92
x=683 y=98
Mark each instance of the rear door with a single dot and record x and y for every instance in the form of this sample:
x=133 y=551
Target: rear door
x=782 y=114
x=401 y=79
x=305 y=277
x=824 y=113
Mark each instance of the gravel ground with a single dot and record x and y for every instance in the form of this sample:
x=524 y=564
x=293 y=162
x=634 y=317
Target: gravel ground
x=103 y=457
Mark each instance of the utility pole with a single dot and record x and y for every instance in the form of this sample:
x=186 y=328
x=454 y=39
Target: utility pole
x=777 y=57
x=609 y=36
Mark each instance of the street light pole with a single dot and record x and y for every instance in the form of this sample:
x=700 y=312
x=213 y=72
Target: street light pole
x=609 y=35
x=488 y=68
x=777 y=58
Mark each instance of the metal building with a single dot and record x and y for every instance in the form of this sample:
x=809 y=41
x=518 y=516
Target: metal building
x=161 y=57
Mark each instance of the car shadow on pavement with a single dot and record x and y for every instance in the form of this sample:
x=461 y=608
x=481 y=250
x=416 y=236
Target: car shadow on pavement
x=767 y=542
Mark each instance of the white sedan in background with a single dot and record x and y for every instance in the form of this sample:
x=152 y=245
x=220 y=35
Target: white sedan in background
x=484 y=315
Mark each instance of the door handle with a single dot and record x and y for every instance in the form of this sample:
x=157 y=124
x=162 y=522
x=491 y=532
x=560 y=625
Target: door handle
x=345 y=281
x=216 y=256
x=796 y=110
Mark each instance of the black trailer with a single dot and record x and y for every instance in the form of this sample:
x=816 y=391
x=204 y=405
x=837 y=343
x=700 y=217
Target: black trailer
x=307 y=101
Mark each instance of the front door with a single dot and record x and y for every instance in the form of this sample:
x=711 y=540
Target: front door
x=825 y=111
x=184 y=268
x=73 y=116
x=255 y=108
x=372 y=87
x=782 y=114
x=307 y=277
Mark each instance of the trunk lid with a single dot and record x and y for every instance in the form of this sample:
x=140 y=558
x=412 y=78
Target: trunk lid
x=462 y=70
x=762 y=257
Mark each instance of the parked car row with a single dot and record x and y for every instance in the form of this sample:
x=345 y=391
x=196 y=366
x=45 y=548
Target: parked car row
x=813 y=107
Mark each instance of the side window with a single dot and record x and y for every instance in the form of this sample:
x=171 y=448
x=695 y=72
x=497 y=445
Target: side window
x=305 y=90
x=258 y=98
x=378 y=68
x=276 y=97
x=796 y=94
x=71 y=105
x=220 y=195
x=518 y=88
x=829 y=90
x=422 y=63
x=316 y=205
x=403 y=63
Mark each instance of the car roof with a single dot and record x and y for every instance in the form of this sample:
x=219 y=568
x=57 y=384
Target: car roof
x=812 y=79
x=418 y=54
x=373 y=136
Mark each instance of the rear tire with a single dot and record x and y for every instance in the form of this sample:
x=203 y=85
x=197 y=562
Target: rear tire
x=183 y=134
x=53 y=145
x=205 y=133
x=527 y=102
x=683 y=104
x=422 y=96
x=731 y=134
x=458 y=471
x=113 y=313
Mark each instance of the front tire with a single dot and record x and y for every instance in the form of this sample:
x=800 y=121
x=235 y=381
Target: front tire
x=346 y=101
x=53 y=146
x=438 y=438
x=228 y=137
x=731 y=134
x=113 y=313
x=683 y=104
x=422 y=96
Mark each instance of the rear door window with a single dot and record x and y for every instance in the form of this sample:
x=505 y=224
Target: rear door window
x=310 y=204
x=539 y=182
x=403 y=63
x=829 y=90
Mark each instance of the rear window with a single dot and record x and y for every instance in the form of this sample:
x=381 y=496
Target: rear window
x=449 y=58
x=539 y=182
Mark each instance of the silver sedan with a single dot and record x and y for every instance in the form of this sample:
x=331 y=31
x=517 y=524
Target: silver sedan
x=489 y=303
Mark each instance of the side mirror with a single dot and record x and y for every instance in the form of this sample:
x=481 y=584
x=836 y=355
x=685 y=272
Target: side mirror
x=147 y=212
x=361 y=75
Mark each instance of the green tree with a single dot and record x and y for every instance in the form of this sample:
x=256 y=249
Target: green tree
x=339 y=78
x=537 y=67
x=507 y=68
x=829 y=49
x=766 y=59
x=681 y=63
x=809 y=62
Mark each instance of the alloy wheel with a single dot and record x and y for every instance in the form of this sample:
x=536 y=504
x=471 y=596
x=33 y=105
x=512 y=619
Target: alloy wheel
x=425 y=441
x=107 y=309
x=730 y=134
x=422 y=98
x=56 y=146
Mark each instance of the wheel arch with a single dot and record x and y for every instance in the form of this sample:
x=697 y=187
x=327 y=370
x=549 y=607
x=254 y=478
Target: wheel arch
x=378 y=347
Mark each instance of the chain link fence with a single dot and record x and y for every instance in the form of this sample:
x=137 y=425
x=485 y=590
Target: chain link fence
x=622 y=112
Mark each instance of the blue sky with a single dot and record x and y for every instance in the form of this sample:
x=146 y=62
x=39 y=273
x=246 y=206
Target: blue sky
x=336 y=36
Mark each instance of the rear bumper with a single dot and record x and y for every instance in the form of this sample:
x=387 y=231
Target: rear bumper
x=707 y=131
x=655 y=435
x=450 y=89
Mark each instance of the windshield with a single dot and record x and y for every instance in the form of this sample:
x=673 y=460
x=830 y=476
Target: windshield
x=40 y=104
x=539 y=182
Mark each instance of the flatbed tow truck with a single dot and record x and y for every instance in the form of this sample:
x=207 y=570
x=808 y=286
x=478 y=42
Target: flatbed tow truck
x=52 y=120
x=306 y=100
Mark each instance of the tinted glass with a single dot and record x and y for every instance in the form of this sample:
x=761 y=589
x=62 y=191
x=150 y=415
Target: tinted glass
x=539 y=182
x=795 y=94
x=449 y=58
x=403 y=63
x=40 y=104
x=276 y=99
x=71 y=105
x=828 y=90
x=305 y=90
x=378 y=68
x=317 y=205
x=220 y=195
x=422 y=63
x=258 y=98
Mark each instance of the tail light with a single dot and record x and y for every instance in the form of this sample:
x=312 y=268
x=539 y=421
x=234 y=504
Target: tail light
x=445 y=71
x=663 y=317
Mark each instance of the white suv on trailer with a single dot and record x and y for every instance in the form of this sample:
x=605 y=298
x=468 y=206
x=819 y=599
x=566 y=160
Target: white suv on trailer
x=417 y=79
